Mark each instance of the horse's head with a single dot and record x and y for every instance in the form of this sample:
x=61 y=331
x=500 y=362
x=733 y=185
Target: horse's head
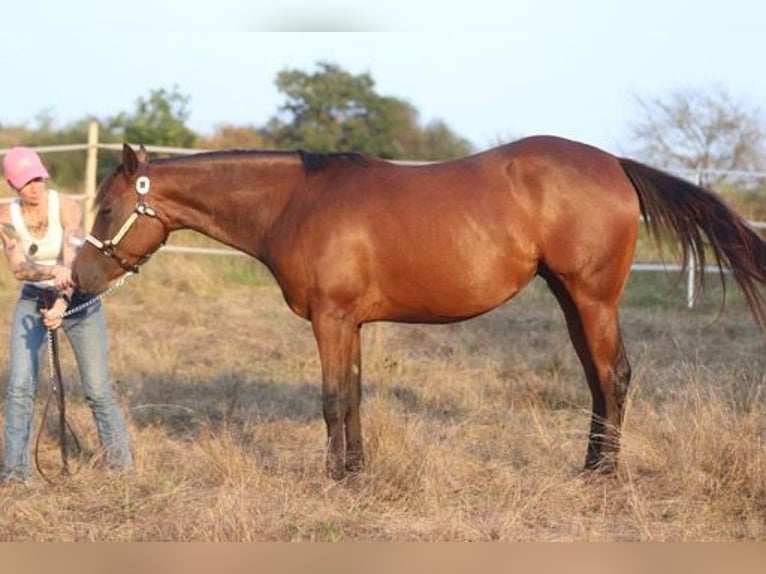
x=127 y=229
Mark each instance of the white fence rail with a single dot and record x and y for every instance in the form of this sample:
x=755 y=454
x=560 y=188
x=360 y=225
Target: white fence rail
x=93 y=146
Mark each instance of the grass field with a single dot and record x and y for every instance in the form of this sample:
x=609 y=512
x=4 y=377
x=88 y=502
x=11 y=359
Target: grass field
x=473 y=431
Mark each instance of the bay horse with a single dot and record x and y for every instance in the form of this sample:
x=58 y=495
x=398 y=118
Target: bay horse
x=352 y=239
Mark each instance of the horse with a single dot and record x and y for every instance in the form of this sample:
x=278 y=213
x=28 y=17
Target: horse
x=351 y=239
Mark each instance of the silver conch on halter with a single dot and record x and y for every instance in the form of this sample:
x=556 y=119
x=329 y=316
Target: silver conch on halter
x=108 y=246
x=142 y=185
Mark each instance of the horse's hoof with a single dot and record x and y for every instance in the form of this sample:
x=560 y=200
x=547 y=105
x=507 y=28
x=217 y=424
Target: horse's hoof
x=602 y=467
x=336 y=471
x=355 y=463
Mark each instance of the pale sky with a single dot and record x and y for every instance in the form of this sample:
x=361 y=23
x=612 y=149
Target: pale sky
x=492 y=70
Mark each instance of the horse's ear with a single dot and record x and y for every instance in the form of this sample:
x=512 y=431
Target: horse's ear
x=141 y=154
x=129 y=159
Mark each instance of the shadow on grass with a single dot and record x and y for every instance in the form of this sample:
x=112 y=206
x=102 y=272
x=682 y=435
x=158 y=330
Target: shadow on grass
x=183 y=407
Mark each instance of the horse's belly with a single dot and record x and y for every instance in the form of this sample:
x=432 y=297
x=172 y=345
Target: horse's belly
x=439 y=293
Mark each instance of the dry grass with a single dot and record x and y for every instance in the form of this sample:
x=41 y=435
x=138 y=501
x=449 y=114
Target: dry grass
x=474 y=431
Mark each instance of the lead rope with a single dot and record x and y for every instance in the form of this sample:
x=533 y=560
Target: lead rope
x=57 y=387
x=57 y=390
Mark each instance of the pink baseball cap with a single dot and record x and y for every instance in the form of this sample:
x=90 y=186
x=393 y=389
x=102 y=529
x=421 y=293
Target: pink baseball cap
x=21 y=165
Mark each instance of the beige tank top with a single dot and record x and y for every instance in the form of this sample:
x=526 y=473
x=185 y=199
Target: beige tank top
x=46 y=250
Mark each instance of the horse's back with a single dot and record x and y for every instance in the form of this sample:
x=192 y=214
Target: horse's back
x=545 y=198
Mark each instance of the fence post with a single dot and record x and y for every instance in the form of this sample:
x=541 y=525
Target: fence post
x=91 y=165
x=691 y=271
x=691 y=278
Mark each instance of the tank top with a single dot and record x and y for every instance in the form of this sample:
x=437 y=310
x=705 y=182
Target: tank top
x=48 y=247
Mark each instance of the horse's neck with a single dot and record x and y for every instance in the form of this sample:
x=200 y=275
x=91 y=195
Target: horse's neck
x=235 y=204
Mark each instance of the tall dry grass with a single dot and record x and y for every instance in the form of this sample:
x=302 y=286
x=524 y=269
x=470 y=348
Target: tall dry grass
x=473 y=431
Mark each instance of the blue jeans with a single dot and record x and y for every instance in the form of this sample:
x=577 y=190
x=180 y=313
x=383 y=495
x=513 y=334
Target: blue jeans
x=86 y=331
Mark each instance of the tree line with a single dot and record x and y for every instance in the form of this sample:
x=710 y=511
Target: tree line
x=330 y=109
x=327 y=109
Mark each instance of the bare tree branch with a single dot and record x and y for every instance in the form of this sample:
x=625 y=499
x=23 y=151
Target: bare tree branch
x=699 y=129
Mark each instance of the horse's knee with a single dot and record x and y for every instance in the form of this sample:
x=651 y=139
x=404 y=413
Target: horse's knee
x=333 y=408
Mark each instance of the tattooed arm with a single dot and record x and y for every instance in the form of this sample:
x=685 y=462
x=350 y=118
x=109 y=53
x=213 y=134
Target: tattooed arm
x=23 y=268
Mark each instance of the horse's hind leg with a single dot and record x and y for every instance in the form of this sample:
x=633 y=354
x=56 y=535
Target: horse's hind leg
x=595 y=333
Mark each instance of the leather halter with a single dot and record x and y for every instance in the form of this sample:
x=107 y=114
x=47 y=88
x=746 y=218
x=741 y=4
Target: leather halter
x=108 y=247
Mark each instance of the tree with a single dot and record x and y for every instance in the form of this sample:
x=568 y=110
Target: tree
x=334 y=110
x=699 y=130
x=228 y=136
x=159 y=119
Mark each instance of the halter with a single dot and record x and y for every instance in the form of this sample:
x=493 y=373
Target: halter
x=108 y=247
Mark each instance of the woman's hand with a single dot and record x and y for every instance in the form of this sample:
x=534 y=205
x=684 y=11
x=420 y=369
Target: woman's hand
x=62 y=277
x=53 y=317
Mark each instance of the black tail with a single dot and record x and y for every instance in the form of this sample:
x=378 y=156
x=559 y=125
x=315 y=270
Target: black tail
x=677 y=209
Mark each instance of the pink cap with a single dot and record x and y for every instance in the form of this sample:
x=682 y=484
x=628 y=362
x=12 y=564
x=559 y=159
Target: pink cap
x=21 y=165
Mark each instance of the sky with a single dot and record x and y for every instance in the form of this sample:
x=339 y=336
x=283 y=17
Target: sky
x=492 y=70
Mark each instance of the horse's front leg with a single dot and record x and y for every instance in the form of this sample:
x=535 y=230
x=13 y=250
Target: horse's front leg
x=337 y=338
x=354 y=448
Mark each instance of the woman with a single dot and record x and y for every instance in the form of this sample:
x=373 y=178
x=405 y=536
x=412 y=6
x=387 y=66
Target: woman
x=38 y=233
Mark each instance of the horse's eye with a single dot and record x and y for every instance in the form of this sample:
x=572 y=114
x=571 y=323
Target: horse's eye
x=106 y=210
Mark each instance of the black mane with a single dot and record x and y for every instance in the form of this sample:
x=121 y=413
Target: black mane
x=313 y=161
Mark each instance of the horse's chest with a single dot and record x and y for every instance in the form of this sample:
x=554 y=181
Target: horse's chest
x=294 y=282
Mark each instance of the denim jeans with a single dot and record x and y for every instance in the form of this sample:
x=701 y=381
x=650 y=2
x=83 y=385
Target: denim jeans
x=86 y=331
